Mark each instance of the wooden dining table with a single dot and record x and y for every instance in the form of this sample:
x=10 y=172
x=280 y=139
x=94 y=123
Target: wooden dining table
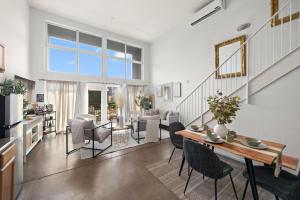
x=268 y=156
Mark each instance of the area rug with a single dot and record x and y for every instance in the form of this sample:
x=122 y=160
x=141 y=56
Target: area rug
x=121 y=140
x=202 y=189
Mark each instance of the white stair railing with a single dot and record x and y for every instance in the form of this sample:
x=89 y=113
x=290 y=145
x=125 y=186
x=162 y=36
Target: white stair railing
x=273 y=41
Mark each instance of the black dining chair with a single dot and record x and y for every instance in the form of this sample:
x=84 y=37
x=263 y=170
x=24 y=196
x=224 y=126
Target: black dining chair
x=286 y=186
x=177 y=140
x=202 y=159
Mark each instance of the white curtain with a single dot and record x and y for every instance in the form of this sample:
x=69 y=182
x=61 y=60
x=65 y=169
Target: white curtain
x=63 y=97
x=132 y=92
x=81 y=106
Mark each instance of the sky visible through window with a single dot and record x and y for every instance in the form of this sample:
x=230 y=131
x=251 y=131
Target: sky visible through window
x=65 y=60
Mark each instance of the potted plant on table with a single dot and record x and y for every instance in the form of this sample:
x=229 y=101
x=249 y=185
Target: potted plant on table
x=224 y=110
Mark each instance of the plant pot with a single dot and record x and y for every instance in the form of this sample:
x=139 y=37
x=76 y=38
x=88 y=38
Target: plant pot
x=221 y=130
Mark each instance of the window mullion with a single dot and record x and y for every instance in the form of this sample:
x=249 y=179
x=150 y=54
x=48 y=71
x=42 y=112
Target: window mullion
x=77 y=50
x=125 y=62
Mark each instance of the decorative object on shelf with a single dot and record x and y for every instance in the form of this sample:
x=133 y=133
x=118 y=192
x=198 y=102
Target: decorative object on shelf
x=230 y=136
x=277 y=20
x=177 y=89
x=159 y=91
x=120 y=101
x=49 y=107
x=224 y=110
x=40 y=98
x=222 y=53
x=168 y=91
x=2 y=58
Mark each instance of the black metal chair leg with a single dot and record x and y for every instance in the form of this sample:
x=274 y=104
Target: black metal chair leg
x=187 y=182
x=182 y=163
x=245 y=190
x=233 y=186
x=171 y=155
x=216 y=189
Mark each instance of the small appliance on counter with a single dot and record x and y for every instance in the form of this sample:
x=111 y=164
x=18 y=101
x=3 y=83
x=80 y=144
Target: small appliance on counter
x=11 y=117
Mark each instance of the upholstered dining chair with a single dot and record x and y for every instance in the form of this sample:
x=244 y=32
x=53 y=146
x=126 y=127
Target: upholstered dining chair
x=202 y=159
x=177 y=140
x=286 y=186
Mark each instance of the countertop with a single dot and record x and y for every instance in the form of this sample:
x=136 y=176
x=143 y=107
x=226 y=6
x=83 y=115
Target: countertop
x=32 y=119
x=6 y=142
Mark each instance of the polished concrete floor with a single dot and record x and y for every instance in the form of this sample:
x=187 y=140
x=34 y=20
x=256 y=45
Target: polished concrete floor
x=50 y=174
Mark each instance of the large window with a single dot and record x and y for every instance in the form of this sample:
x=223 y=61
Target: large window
x=123 y=61
x=72 y=51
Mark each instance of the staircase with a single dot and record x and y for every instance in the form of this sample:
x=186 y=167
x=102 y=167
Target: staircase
x=271 y=52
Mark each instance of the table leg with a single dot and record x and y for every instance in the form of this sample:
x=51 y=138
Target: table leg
x=251 y=174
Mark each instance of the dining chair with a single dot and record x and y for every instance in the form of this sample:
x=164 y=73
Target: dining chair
x=286 y=186
x=202 y=159
x=176 y=140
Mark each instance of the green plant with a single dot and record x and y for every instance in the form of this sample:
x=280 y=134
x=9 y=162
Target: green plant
x=224 y=108
x=10 y=86
x=20 y=87
x=7 y=87
x=144 y=102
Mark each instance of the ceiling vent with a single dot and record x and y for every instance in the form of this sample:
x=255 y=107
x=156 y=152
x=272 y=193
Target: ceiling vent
x=207 y=11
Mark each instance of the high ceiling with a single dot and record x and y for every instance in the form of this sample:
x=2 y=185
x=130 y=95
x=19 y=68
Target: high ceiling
x=140 y=19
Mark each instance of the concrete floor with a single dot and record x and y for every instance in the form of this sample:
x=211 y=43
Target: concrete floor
x=50 y=174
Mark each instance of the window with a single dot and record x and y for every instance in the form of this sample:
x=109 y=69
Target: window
x=72 y=51
x=95 y=104
x=123 y=61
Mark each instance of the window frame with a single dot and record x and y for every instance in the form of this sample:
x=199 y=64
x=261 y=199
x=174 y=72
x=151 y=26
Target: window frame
x=77 y=50
x=133 y=61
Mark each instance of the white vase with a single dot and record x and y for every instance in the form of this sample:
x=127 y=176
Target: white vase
x=221 y=130
x=121 y=121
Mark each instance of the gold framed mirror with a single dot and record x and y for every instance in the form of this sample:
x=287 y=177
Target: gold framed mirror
x=277 y=20
x=224 y=50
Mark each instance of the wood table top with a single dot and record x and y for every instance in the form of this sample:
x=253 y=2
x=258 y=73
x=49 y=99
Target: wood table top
x=263 y=156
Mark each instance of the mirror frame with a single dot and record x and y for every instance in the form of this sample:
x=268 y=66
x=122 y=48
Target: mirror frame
x=240 y=39
x=277 y=21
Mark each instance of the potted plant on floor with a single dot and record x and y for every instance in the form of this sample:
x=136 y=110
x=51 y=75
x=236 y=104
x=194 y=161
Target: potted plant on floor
x=120 y=102
x=144 y=102
x=224 y=110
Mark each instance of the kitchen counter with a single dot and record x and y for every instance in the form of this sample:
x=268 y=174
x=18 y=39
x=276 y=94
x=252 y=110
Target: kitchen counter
x=27 y=124
x=6 y=142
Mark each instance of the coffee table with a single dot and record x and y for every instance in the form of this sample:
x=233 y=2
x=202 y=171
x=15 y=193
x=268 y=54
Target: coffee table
x=121 y=135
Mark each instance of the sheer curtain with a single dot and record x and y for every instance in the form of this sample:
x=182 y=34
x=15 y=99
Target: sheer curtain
x=132 y=92
x=63 y=97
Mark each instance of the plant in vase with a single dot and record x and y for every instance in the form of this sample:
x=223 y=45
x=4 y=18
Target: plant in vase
x=224 y=110
x=144 y=102
x=120 y=102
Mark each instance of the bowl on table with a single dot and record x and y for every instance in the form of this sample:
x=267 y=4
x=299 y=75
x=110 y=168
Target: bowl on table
x=253 y=141
x=213 y=137
x=195 y=127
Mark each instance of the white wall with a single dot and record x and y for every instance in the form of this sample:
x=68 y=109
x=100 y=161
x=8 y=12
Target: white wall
x=14 y=34
x=38 y=57
x=186 y=54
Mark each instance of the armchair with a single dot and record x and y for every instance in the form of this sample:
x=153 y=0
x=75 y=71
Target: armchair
x=83 y=129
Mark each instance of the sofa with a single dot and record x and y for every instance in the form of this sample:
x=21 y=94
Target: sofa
x=166 y=117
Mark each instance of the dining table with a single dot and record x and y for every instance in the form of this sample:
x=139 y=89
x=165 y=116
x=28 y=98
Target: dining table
x=271 y=155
